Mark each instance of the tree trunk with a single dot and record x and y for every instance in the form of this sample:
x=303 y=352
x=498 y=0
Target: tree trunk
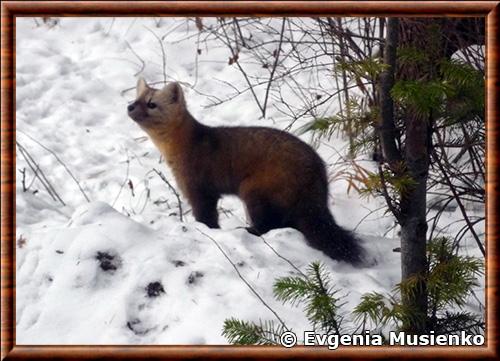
x=387 y=130
x=412 y=212
x=413 y=219
x=439 y=39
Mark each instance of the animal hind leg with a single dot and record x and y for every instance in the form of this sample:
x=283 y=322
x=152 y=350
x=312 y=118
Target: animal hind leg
x=263 y=215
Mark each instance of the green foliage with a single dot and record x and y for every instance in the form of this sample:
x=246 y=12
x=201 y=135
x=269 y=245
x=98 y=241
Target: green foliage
x=451 y=89
x=369 y=68
x=376 y=311
x=372 y=184
x=396 y=185
x=364 y=142
x=354 y=120
x=372 y=309
x=451 y=277
x=315 y=292
x=412 y=56
x=352 y=114
x=456 y=93
x=461 y=74
x=421 y=97
x=322 y=125
x=240 y=332
x=468 y=98
x=452 y=322
x=450 y=280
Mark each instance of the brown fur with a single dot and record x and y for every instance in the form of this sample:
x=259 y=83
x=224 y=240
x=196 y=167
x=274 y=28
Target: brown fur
x=281 y=179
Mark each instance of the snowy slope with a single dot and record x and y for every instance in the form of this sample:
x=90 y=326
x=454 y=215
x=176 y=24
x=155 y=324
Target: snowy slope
x=122 y=268
x=168 y=286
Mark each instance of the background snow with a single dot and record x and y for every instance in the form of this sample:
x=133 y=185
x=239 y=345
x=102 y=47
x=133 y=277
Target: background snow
x=83 y=269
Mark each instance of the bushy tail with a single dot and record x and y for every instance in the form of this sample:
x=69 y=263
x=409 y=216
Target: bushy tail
x=324 y=234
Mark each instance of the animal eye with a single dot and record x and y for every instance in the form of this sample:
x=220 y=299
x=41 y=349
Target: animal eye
x=151 y=105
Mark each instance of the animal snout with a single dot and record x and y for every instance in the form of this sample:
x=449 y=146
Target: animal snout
x=131 y=107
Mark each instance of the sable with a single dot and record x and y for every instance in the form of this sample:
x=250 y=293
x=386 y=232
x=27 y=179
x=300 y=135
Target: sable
x=281 y=180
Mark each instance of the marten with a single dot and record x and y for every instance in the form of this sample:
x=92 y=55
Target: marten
x=281 y=180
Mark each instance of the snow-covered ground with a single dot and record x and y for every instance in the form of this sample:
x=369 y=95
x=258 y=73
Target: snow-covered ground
x=121 y=267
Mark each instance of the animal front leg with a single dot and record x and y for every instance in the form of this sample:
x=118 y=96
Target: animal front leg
x=205 y=209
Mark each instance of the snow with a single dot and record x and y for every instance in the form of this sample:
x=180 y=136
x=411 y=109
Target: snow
x=64 y=293
x=123 y=268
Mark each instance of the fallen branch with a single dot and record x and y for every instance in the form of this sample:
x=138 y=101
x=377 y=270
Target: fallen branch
x=244 y=280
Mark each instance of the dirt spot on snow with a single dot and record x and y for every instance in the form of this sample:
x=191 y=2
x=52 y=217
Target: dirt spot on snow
x=154 y=289
x=108 y=262
x=137 y=328
x=194 y=277
x=178 y=263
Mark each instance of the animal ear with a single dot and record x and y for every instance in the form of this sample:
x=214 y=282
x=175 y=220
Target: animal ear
x=141 y=86
x=173 y=92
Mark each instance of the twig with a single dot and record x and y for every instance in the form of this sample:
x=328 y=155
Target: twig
x=462 y=232
x=148 y=197
x=124 y=181
x=110 y=26
x=23 y=180
x=273 y=70
x=242 y=71
x=143 y=64
x=60 y=162
x=366 y=216
x=459 y=202
x=39 y=173
x=394 y=210
x=243 y=279
x=163 y=53
x=173 y=190
x=282 y=257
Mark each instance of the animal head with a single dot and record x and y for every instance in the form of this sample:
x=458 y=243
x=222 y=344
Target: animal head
x=155 y=108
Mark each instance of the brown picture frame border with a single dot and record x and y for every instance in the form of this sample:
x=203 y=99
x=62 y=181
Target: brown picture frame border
x=12 y=9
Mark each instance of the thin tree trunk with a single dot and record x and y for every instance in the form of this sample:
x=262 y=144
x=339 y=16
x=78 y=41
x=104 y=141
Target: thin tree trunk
x=413 y=219
x=412 y=212
x=387 y=129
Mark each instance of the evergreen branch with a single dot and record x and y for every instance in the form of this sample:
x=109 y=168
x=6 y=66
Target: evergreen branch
x=312 y=290
x=240 y=332
x=372 y=306
x=451 y=323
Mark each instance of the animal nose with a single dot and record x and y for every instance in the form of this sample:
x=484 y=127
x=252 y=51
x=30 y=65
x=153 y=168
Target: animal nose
x=131 y=107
